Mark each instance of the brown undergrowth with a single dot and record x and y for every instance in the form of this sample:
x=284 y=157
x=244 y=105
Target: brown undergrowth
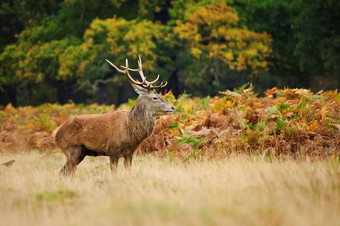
x=293 y=122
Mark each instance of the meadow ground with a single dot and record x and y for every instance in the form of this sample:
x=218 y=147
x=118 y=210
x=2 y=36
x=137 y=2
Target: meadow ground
x=240 y=190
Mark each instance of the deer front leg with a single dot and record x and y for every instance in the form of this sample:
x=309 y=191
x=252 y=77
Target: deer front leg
x=128 y=161
x=114 y=163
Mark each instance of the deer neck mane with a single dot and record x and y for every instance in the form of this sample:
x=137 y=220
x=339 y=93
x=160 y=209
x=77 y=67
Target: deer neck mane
x=141 y=123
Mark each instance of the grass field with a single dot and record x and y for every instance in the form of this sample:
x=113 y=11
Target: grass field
x=240 y=190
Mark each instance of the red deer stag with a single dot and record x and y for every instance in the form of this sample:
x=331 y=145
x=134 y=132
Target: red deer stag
x=116 y=134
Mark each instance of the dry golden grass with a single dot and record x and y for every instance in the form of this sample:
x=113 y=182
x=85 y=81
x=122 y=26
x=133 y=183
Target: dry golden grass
x=237 y=191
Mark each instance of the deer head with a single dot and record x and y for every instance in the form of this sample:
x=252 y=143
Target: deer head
x=148 y=96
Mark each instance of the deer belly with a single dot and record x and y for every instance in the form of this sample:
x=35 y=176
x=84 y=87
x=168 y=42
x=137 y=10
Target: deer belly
x=94 y=150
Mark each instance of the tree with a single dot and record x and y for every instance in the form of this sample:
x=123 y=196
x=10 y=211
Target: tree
x=305 y=39
x=58 y=51
x=218 y=45
x=34 y=58
x=317 y=30
x=15 y=15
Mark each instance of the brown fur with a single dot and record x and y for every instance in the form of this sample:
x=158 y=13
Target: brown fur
x=116 y=134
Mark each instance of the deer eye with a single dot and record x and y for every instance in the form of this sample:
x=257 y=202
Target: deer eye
x=154 y=98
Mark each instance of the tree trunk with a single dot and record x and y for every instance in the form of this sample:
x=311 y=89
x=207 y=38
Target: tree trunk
x=175 y=83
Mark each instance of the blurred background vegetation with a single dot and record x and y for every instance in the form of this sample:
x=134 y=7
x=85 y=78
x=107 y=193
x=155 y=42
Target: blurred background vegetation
x=55 y=51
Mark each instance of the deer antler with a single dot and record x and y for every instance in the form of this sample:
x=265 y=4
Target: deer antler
x=145 y=84
x=126 y=71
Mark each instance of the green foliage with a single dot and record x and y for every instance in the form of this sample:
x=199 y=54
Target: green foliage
x=305 y=46
x=114 y=39
x=17 y=15
x=209 y=45
x=214 y=31
x=187 y=139
x=70 y=46
x=219 y=49
x=322 y=56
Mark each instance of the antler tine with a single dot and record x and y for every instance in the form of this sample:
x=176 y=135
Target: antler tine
x=126 y=71
x=128 y=74
x=159 y=86
x=131 y=69
x=119 y=70
x=166 y=83
x=155 y=80
x=140 y=67
x=145 y=84
x=139 y=70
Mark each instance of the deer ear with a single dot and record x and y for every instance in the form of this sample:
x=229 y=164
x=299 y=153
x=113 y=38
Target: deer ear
x=139 y=90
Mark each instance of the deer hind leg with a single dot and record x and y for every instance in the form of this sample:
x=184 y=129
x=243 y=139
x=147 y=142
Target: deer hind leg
x=74 y=156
